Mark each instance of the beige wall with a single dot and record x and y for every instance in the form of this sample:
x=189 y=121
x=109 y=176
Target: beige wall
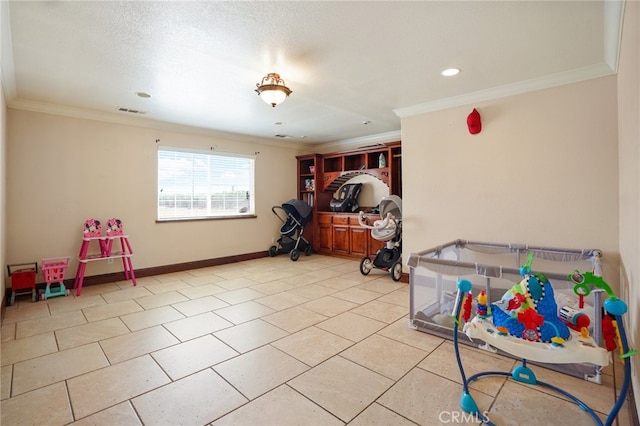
x=62 y=171
x=543 y=171
x=3 y=188
x=5 y=51
x=629 y=172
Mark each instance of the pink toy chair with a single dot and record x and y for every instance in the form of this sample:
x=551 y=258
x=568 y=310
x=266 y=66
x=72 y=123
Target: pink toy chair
x=92 y=231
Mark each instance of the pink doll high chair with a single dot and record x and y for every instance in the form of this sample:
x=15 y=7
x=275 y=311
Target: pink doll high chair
x=92 y=231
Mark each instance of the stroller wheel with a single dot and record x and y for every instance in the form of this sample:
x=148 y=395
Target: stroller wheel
x=294 y=255
x=273 y=251
x=365 y=266
x=308 y=250
x=396 y=271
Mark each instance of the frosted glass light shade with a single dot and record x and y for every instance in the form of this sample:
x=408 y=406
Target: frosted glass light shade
x=273 y=96
x=272 y=89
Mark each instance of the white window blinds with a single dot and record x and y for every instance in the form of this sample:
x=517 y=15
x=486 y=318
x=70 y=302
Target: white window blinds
x=196 y=184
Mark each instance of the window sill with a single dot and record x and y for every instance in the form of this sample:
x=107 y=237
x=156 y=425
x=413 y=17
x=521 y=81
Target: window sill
x=194 y=219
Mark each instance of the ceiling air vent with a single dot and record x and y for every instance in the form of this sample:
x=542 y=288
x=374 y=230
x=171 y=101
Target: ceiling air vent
x=132 y=111
x=375 y=145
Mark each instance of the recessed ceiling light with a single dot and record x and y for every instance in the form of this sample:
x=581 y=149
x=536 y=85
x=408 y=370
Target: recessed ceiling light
x=450 y=72
x=366 y=122
x=279 y=123
x=143 y=95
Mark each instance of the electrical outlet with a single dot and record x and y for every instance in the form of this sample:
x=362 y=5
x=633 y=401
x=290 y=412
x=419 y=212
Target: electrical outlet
x=110 y=260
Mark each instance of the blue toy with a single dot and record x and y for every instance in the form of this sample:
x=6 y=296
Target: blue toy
x=529 y=310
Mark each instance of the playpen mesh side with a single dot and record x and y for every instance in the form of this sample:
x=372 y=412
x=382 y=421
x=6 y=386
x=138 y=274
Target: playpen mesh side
x=434 y=275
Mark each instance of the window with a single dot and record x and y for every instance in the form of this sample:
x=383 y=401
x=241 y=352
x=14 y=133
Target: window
x=196 y=184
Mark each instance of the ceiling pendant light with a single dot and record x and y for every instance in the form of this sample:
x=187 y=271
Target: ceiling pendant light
x=272 y=89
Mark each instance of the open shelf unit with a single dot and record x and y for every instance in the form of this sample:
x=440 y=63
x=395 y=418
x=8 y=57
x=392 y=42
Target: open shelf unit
x=320 y=175
x=307 y=178
x=340 y=167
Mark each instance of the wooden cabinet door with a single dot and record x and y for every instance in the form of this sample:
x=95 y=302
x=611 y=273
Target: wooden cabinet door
x=341 y=239
x=307 y=233
x=359 y=239
x=326 y=242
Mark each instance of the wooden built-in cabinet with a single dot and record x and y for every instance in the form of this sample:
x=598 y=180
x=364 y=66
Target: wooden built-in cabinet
x=307 y=178
x=341 y=234
x=325 y=233
x=340 y=167
x=320 y=175
x=359 y=241
x=309 y=167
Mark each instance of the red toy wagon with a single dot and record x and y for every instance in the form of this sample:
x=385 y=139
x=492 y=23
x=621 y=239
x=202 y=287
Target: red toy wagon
x=23 y=280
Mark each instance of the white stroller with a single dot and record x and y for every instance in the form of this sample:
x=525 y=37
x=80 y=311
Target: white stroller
x=388 y=230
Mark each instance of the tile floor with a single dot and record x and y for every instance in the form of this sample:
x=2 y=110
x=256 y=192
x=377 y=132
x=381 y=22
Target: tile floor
x=267 y=341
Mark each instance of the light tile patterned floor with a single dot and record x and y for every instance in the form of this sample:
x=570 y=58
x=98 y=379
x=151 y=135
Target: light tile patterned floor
x=269 y=342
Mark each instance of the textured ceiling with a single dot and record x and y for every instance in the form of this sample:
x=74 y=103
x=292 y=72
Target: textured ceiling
x=346 y=62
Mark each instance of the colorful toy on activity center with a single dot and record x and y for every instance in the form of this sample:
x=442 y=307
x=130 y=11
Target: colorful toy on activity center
x=520 y=309
x=574 y=318
x=481 y=305
x=528 y=310
x=613 y=306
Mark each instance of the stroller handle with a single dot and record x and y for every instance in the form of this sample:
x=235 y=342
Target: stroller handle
x=378 y=226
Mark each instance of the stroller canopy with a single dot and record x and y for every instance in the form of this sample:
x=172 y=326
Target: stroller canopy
x=300 y=210
x=390 y=230
x=391 y=204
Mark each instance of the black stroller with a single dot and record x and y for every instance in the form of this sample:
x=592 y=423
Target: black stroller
x=389 y=231
x=294 y=215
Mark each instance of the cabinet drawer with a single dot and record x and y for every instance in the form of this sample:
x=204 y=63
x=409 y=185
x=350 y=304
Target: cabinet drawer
x=324 y=218
x=353 y=220
x=340 y=220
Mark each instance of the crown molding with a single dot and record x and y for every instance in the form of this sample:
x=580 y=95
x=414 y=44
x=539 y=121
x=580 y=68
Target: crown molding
x=150 y=123
x=546 y=82
x=612 y=34
x=141 y=121
x=613 y=18
x=7 y=72
x=359 y=142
